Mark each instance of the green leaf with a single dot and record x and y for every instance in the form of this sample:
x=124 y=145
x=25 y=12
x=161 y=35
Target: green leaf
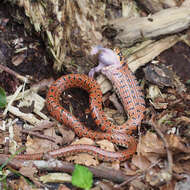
x=3 y=100
x=82 y=177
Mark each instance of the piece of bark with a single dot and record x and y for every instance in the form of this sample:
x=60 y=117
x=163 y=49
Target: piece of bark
x=151 y=51
x=167 y=21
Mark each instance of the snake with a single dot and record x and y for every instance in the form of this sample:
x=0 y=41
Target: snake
x=129 y=93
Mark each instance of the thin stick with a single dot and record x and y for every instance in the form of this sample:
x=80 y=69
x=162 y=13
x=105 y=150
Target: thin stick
x=10 y=71
x=60 y=166
x=169 y=153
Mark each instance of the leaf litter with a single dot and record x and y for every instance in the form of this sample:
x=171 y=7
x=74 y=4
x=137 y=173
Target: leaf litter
x=164 y=136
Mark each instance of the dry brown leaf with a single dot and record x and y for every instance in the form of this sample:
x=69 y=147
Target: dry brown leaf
x=106 y=145
x=17 y=133
x=177 y=143
x=158 y=178
x=18 y=59
x=183 y=119
x=114 y=115
x=84 y=140
x=168 y=186
x=63 y=187
x=36 y=145
x=182 y=167
x=67 y=134
x=137 y=184
x=150 y=143
x=130 y=169
x=151 y=147
x=51 y=132
x=83 y=159
x=30 y=171
x=157 y=99
x=44 y=124
x=104 y=185
x=23 y=185
x=141 y=162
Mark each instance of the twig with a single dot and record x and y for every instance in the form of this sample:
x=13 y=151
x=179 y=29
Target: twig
x=38 y=135
x=10 y=71
x=59 y=166
x=12 y=100
x=142 y=175
x=131 y=178
x=169 y=154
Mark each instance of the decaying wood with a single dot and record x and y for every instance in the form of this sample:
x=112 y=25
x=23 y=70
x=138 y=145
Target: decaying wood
x=75 y=26
x=66 y=26
x=167 y=21
x=149 y=52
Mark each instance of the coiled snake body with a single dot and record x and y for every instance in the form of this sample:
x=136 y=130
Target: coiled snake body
x=131 y=97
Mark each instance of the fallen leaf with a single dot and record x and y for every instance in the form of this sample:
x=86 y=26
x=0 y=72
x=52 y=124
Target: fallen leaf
x=84 y=140
x=114 y=116
x=23 y=185
x=67 y=134
x=104 y=185
x=30 y=171
x=17 y=133
x=51 y=132
x=157 y=99
x=158 y=178
x=182 y=166
x=177 y=143
x=63 y=187
x=83 y=159
x=169 y=186
x=36 y=145
x=141 y=162
x=18 y=59
x=137 y=184
x=44 y=124
x=106 y=145
x=150 y=143
x=151 y=147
